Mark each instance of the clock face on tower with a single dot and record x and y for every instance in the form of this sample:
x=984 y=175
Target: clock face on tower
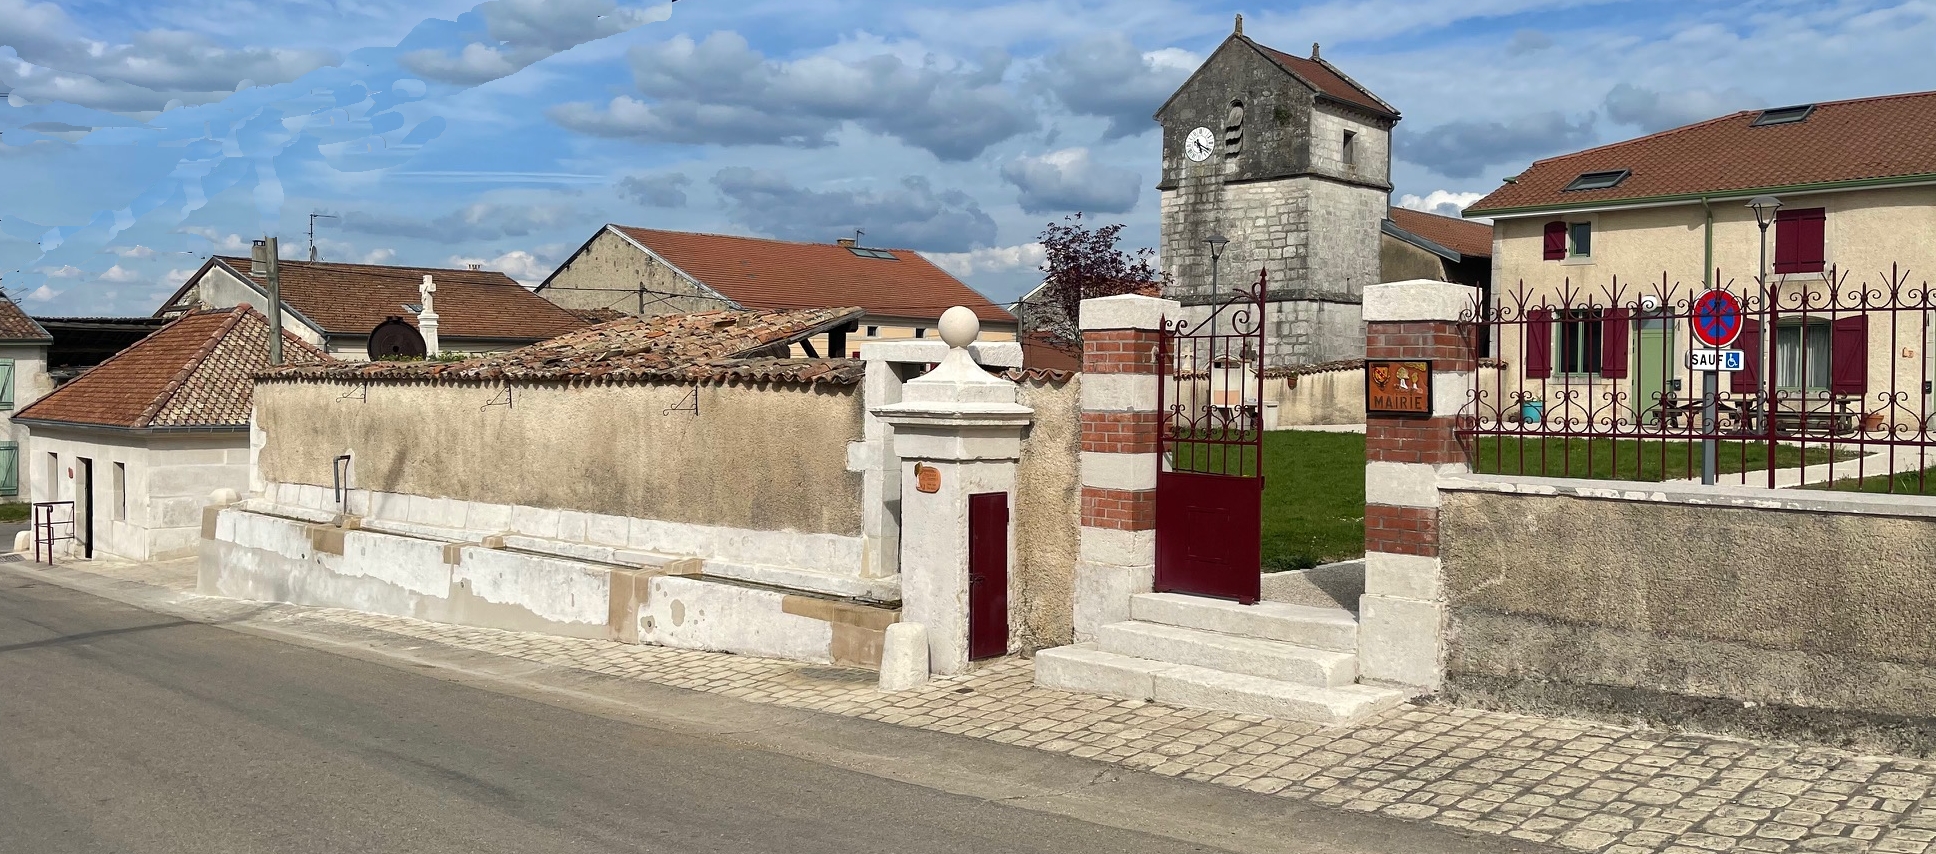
x=1198 y=145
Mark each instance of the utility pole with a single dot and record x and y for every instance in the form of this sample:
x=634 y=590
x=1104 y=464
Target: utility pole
x=312 y=232
x=272 y=261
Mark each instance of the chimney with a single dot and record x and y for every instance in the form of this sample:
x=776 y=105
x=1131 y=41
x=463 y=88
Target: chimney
x=473 y=265
x=259 y=258
x=1240 y=23
x=848 y=242
x=1314 y=51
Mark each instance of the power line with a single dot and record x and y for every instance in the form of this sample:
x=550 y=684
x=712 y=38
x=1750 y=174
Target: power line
x=782 y=304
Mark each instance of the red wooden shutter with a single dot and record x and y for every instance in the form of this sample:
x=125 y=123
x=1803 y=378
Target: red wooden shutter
x=1539 y=344
x=1747 y=381
x=1848 y=355
x=1801 y=241
x=1556 y=241
x=1614 y=325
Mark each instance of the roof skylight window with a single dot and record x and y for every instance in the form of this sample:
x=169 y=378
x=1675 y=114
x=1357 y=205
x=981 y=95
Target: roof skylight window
x=1783 y=115
x=1599 y=180
x=882 y=254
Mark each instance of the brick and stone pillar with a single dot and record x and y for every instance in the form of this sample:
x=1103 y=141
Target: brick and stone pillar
x=1402 y=613
x=1119 y=456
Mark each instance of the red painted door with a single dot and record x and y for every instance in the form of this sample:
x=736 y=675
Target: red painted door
x=987 y=575
x=1207 y=528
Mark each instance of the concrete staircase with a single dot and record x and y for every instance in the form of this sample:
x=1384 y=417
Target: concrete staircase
x=1273 y=658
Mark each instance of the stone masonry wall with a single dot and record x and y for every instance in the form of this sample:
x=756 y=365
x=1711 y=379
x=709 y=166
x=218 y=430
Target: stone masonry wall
x=610 y=265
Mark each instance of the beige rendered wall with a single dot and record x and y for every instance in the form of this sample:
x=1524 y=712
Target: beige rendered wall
x=1048 y=517
x=30 y=383
x=762 y=457
x=608 y=273
x=1399 y=261
x=1867 y=232
x=1657 y=601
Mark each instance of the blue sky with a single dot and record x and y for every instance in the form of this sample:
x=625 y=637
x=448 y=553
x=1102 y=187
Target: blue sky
x=140 y=137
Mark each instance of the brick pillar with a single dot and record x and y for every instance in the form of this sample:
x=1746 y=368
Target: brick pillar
x=1401 y=616
x=1119 y=426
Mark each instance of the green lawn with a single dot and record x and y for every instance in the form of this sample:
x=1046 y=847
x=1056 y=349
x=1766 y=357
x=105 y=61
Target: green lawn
x=1627 y=459
x=1314 y=483
x=1902 y=483
x=14 y=512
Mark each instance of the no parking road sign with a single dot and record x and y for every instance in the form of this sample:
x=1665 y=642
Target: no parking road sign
x=1716 y=319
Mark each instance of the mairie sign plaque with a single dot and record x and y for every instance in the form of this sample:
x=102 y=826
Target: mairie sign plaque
x=1398 y=388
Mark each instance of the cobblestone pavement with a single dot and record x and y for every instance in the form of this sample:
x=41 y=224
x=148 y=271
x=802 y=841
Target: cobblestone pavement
x=1581 y=785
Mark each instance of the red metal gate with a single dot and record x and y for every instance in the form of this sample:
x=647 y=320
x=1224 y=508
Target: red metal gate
x=987 y=575
x=1210 y=444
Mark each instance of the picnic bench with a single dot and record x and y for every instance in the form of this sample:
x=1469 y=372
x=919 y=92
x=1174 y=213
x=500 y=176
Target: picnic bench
x=1809 y=412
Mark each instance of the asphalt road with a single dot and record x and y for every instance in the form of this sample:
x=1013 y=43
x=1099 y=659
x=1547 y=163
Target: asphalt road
x=127 y=730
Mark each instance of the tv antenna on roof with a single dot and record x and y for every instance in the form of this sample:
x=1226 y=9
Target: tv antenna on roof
x=857 y=235
x=312 y=231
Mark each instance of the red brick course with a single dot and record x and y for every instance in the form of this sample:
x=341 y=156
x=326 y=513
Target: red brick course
x=1120 y=509
x=1443 y=343
x=1119 y=351
x=1120 y=432
x=1402 y=530
x=1413 y=440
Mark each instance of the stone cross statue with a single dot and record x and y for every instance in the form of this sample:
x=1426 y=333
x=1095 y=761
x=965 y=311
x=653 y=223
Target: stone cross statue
x=427 y=318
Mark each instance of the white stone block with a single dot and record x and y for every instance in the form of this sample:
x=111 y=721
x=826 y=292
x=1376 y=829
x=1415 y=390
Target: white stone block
x=572 y=525
x=1402 y=484
x=535 y=521
x=904 y=657
x=1128 y=311
x=1103 y=591
x=1400 y=641
x=23 y=542
x=1418 y=300
x=1118 y=393
x=1402 y=576
x=1121 y=471
x=1086 y=670
x=607 y=530
x=1121 y=548
x=492 y=518
x=1451 y=392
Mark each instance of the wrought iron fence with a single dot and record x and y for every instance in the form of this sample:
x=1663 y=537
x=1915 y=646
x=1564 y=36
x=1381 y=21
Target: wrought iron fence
x=1209 y=386
x=1834 y=386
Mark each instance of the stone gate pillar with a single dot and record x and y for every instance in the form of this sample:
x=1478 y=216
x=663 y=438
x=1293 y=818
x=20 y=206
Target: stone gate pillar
x=1401 y=615
x=1117 y=556
x=964 y=427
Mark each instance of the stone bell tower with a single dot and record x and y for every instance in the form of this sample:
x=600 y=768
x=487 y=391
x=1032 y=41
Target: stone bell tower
x=1290 y=159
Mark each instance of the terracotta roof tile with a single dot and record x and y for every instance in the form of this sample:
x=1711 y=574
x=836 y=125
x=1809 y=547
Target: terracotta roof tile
x=195 y=372
x=1868 y=138
x=1471 y=239
x=713 y=345
x=351 y=299
x=15 y=325
x=760 y=273
x=1329 y=80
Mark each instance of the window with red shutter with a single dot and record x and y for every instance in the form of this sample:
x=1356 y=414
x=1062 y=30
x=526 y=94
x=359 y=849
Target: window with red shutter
x=1848 y=355
x=1613 y=343
x=1748 y=380
x=1555 y=241
x=1539 y=344
x=1801 y=241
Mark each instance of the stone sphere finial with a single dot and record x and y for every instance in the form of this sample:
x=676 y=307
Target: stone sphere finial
x=960 y=327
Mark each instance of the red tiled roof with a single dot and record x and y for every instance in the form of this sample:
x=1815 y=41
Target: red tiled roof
x=760 y=273
x=1868 y=138
x=351 y=299
x=194 y=372
x=1471 y=239
x=15 y=325
x=713 y=345
x=1328 y=79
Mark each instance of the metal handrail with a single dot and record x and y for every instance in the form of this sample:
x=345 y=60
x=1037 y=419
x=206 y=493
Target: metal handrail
x=45 y=527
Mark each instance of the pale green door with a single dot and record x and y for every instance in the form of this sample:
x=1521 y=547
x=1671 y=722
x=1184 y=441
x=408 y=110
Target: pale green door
x=1654 y=367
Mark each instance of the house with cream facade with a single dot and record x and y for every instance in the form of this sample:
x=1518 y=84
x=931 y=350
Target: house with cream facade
x=1597 y=252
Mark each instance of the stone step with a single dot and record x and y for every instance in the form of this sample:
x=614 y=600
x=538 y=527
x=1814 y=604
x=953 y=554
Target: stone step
x=1084 y=668
x=1332 y=628
x=1265 y=659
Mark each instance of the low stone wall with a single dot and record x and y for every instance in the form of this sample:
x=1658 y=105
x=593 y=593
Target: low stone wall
x=1316 y=395
x=1793 y=613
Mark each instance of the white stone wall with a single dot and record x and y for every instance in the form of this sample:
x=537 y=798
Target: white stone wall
x=167 y=482
x=30 y=383
x=1371 y=146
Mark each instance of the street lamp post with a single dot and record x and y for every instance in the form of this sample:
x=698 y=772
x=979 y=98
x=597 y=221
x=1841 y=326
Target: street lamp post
x=1217 y=242
x=1764 y=208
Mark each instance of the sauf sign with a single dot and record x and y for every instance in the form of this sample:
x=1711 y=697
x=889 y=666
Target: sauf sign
x=1723 y=361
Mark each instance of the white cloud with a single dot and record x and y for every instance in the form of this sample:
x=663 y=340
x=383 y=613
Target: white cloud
x=1071 y=180
x=42 y=294
x=119 y=274
x=524 y=32
x=379 y=256
x=226 y=244
x=67 y=271
x=527 y=268
x=1107 y=76
x=992 y=259
x=913 y=215
x=1443 y=202
x=136 y=252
